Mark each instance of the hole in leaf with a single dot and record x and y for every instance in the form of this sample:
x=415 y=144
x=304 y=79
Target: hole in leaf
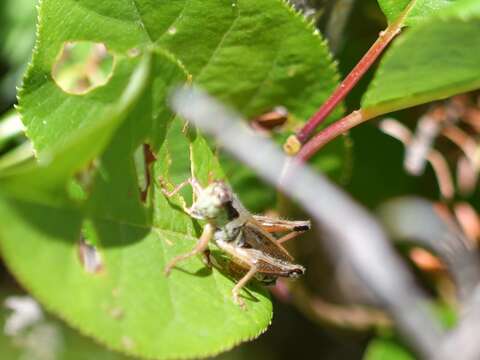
x=84 y=181
x=82 y=66
x=88 y=254
x=89 y=257
x=144 y=157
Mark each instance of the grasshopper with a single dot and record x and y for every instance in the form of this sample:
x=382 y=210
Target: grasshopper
x=248 y=239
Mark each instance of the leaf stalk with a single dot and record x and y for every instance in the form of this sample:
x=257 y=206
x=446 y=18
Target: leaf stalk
x=365 y=63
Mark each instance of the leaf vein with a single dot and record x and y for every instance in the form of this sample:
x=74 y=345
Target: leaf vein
x=264 y=81
x=177 y=18
x=222 y=40
x=142 y=23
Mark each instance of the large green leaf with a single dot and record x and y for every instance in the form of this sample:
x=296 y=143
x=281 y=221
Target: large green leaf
x=130 y=305
x=62 y=160
x=420 y=9
x=387 y=348
x=253 y=55
x=434 y=60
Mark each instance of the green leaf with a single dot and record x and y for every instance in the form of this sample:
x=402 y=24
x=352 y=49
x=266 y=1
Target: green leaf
x=419 y=67
x=130 y=305
x=254 y=56
x=386 y=348
x=420 y=10
x=61 y=161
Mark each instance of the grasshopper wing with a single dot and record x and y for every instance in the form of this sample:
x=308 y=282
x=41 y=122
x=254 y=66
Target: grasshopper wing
x=254 y=237
x=273 y=225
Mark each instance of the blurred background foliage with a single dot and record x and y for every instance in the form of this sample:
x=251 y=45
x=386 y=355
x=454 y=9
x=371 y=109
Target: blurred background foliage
x=17 y=35
x=376 y=175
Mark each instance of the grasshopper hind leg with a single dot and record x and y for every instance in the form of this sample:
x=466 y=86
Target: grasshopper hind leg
x=243 y=281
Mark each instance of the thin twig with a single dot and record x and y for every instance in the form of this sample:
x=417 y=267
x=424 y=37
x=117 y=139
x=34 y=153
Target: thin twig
x=442 y=173
x=469 y=220
x=331 y=132
x=354 y=76
x=439 y=164
x=467 y=176
x=428 y=128
x=465 y=142
x=352 y=317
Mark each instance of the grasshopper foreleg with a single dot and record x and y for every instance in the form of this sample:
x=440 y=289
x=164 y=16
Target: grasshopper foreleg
x=191 y=181
x=201 y=246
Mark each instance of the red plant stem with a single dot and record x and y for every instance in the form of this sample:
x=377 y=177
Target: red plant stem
x=332 y=131
x=351 y=80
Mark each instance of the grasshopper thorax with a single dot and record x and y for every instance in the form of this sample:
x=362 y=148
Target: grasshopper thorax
x=215 y=202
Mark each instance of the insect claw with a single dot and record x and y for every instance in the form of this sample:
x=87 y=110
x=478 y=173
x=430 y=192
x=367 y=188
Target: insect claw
x=169 y=194
x=169 y=267
x=211 y=177
x=163 y=186
x=167 y=270
x=238 y=300
x=207 y=260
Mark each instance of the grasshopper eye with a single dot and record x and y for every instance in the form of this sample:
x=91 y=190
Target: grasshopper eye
x=232 y=213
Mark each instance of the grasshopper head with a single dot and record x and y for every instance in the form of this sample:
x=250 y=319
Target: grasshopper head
x=215 y=202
